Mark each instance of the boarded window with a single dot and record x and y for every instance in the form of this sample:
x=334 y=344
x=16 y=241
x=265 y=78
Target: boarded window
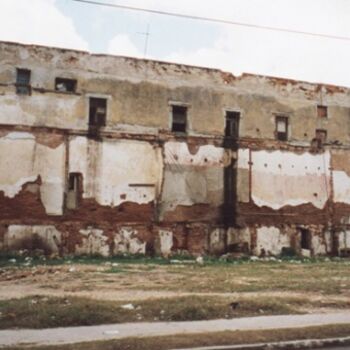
x=232 y=124
x=65 y=85
x=97 y=111
x=75 y=189
x=321 y=136
x=305 y=239
x=179 y=119
x=282 y=128
x=23 y=82
x=322 y=111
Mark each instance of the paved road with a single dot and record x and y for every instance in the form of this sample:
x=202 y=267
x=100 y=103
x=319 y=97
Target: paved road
x=117 y=331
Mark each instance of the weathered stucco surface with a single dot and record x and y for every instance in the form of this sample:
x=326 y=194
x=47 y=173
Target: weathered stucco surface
x=24 y=160
x=141 y=188
x=284 y=178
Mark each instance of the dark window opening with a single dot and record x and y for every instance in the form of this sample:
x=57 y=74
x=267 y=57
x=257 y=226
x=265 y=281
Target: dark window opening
x=23 y=82
x=321 y=136
x=75 y=190
x=232 y=124
x=322 y=111
x=305 y=239
x=282 y=128
x=179 y=119
x=97 y=111
x=65 y=85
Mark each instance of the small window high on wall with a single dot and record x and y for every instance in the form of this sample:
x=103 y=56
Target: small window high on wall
x=65 y=85
x=179 y=119
x=322 y=111
x=321 y=136
x=23 y=82
x=97 y=111
x=281 y=128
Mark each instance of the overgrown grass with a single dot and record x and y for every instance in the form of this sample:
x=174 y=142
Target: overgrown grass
x=45 y=312
x=208 y=339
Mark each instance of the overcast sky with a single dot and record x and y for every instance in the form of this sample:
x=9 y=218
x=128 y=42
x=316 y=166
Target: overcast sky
x=65 y=23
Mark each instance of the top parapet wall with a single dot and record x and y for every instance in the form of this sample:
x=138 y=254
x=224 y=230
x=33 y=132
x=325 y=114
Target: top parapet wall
x=171 y=74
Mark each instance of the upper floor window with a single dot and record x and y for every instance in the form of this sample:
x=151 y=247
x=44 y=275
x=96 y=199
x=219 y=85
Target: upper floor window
x=322 y=111
x=97 y=111
x=23 y=81
x=281 y=128
x=321 y=136
x=65 y=85
x=179 y=119
x=232 y=124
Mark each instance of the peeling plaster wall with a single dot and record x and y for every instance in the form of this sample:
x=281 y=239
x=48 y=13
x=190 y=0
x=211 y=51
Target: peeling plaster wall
x=129 y=89
x=23 y=160
x=344 y=242
x=38 y=237
x=136 y=171
x=192 y=177
x=93 y=242
x=110 y=167
x=126 y=241
x=126 y=163
x=270 y=241
x=285 y=178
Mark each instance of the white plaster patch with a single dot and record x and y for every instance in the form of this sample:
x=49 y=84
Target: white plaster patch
x=19 y=136
x=271 y=240
x=344 y=240
x=166 y=242
x=46 y=236
x=128 y=171
x=126 y=241
x=217 y=241
x=285 y=178
x=23 y=160
x=207 y=155
x=341 y=185
x=94 y=242
x=243 y=158
x=318 y=245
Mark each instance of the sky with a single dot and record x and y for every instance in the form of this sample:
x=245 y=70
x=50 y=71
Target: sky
x=69 y=24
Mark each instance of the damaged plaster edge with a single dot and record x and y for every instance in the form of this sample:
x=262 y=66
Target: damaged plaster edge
x=292 y=202
x=11 y=191
x=230 y=76
x=18 y=135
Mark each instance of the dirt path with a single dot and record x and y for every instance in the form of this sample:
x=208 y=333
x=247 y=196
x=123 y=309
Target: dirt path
x=119 y=331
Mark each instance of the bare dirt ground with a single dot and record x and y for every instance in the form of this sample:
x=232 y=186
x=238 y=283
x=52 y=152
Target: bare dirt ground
x=322 y=281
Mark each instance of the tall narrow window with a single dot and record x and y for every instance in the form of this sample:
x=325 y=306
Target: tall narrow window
x=97 y=111
x=232 y=124
x=282 y=128
x=322 y=111
x=23 y=82
x=179 y=119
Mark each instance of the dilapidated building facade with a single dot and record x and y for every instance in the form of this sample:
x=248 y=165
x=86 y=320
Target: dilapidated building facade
x=109 y=155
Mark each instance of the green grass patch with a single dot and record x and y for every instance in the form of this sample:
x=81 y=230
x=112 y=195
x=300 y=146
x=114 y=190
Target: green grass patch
x=45 y=312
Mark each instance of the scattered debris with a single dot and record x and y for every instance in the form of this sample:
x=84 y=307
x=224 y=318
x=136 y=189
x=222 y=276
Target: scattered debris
x=128 y=307
x=234 y=305
x=200 y=260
